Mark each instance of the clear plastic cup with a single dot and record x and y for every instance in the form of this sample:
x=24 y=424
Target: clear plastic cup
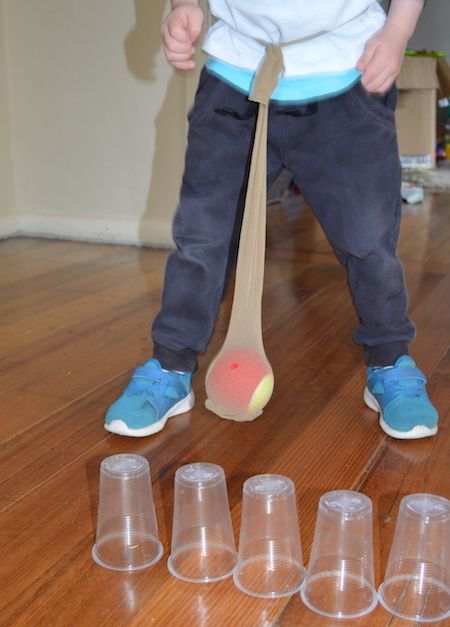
x=203 y=548
x=416 y=585
x=340 y=581
x=127 y=532
x=270 y=563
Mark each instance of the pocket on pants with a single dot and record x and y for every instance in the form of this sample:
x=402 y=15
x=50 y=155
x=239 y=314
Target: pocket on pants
x=209 y=86
x=381 y=108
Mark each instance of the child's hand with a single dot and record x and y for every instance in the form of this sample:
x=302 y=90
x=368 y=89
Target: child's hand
x=382 y=60
x=180 y=30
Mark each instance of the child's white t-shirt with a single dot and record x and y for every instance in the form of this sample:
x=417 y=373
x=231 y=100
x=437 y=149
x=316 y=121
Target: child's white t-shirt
x=336 y=32
x=348 y=24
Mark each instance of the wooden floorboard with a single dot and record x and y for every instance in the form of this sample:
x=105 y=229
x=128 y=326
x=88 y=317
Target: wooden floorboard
x=75 y=321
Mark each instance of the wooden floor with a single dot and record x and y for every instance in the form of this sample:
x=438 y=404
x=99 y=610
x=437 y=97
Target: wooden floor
x=74 y=321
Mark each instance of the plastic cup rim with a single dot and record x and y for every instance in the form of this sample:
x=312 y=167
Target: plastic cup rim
x=418 y=619
x=342 y=616
x=178 y=575
x=129 y=568
x=271 y=595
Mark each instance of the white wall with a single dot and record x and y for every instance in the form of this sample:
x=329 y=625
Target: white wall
x=98 y=119
x=8 y=215
x=92 y=119
x=433 y=29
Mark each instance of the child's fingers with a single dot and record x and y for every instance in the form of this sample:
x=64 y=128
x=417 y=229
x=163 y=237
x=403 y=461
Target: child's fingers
x=179 y=31
x=380 y=63
x=381 y=85
x=195 y=23
x=183 y=65
x=184 y=27
x=375 y=74
x=367 y=55
x=381 y=66
x=380 y=79
x=178 y=47
x=385 y=87
x=383 y=69
x=175 y=36
x=374 y=65
x=179 y=56
x=174 y=45
x=375 y=87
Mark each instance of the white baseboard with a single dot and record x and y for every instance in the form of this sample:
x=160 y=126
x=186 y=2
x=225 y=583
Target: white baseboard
x=9 y=224
x=141 y=232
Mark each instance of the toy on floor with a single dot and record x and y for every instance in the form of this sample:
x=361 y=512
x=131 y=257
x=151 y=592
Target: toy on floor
x=239 y=381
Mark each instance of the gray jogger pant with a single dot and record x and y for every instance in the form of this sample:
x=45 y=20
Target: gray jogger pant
x=344 y=157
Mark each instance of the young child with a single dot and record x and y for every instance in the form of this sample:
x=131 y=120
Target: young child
x=331 y=123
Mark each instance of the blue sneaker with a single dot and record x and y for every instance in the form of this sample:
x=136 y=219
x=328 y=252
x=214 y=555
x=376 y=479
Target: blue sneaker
x=152 y=396
x=398 y=393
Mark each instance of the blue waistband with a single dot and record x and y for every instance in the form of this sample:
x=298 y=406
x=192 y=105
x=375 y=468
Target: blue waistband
x=298 y=89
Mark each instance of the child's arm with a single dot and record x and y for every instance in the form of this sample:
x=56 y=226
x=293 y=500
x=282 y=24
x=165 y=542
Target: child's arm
x=179 y=32
x=383 y=55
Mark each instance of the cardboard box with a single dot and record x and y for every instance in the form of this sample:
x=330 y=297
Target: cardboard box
x=416 y=112
x=443 y=74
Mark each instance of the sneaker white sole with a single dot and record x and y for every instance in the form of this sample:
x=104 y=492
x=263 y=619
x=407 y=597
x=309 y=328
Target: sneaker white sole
x=120 y=427
x=417 y=432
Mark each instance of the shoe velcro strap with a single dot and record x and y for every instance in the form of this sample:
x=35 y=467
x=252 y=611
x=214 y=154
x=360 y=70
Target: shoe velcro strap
x=402 y=374
x=151 y=374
